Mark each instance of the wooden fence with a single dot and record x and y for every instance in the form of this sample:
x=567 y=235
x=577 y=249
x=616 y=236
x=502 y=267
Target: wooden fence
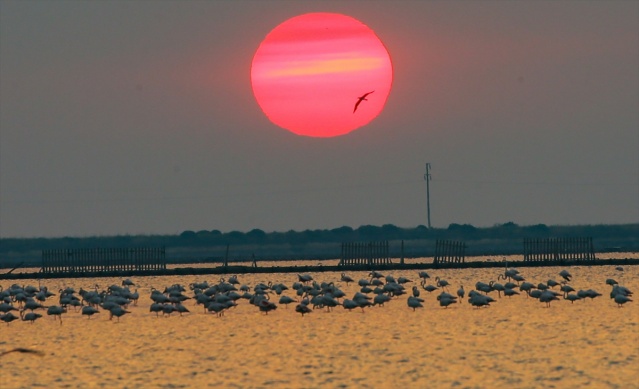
x=370 y=254
x=558 y=249
x=103 y=260
x=449 y=251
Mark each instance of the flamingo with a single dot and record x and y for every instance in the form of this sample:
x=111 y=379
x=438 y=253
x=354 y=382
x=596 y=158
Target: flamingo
x=572 y=297
x=380 y=299
x=286 y=300
x=414 y=302
x=303 y=309
x=216 y=307
x=168 y=309
x=445 y=302
x=89 y=311
x=611 y=282
x=620 y=299
x=346 y=279
x=518 y=278
x=526 y=287
x=429 y=288
x=441 y=283
x=350 y=304
x=31 y=316
x=552 y=283
x=479 y=300
x=565 y=275
x=157 y=308
x=415 y=291
x=31 y=305
x=483 y=287
x=591 y=294
x=305 y=278
x=510 y=292
x=8 y=317
x=135 y=296
x=460 y=292
x=508 y=273
x=4 y=307
x=267 y=306
x=446 y=296
x=56 y=310
x=181 y=309
x=547 y=297
x=498 y=287
x=117 y=311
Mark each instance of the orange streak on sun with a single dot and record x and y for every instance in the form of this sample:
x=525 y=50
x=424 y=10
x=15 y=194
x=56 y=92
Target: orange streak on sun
x=308 y=72
x=325 y=66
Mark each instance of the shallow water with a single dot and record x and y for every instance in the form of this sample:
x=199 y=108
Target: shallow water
x=515 y=342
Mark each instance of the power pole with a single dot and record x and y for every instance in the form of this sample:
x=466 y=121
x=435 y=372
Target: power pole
x=427 y=178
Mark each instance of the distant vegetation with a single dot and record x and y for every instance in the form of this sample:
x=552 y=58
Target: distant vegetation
x=503 y=238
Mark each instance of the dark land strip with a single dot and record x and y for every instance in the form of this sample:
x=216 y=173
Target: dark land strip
x=239 y=269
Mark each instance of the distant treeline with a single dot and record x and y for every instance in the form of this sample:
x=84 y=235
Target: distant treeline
x=627 y=233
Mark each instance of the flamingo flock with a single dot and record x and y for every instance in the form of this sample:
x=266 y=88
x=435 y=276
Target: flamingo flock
x=306 y=294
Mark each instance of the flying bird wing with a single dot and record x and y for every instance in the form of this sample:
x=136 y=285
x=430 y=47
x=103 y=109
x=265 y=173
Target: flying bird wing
x=366 y=94
x=360 y=99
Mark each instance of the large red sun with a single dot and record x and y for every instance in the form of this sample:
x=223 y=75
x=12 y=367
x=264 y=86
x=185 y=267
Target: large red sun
x=310 y=71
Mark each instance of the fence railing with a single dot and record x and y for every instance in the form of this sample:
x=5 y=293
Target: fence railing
x=449 y=251
x=558 y=249
x=365 y=253
x=103 y=260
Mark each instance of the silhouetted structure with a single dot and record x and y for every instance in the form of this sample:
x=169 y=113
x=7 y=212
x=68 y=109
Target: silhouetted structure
x=449 y=251
x=370 y=254
x=558 y=249
x=103 y=260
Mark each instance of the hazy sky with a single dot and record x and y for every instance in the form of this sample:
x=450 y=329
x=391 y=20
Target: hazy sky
x=127 y=117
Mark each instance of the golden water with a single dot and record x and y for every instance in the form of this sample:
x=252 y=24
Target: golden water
x=516 y=342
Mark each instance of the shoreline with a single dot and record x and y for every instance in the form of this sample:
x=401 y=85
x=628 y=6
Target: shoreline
x=240 y=269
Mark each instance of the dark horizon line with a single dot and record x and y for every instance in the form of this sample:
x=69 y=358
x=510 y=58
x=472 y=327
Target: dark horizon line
x=496 y=225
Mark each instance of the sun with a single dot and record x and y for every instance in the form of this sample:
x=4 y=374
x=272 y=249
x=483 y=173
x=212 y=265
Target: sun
x=321 y=75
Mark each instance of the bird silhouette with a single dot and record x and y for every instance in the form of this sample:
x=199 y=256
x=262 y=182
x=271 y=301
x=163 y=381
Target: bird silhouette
x=460 y=292
x=346 y=279
x=89 y=311
x=414 y=302
x=360 y=99
x=303 y=309
x=22 y=350
x=31 y=316
x=565 y=275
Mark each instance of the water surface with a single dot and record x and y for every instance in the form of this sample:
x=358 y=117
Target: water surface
x=515 y=342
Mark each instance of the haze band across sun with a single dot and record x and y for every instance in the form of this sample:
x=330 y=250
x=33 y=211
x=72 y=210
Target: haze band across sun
x=310 y=71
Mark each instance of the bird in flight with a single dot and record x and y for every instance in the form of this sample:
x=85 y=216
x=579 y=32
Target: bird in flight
x=360 y=99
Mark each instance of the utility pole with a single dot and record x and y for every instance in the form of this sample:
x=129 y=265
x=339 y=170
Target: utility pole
x=427 y=178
